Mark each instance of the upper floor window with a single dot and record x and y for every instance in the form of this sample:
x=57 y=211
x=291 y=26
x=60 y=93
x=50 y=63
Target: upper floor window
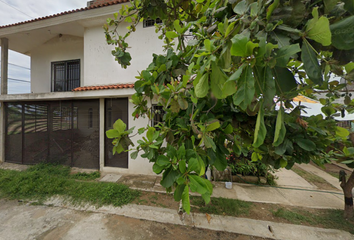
x=151 y=22
x=65 y=75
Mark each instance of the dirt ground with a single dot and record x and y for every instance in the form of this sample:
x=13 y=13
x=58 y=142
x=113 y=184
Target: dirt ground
x=23 y=221
x=258 y=211
x=322 y=184
x=334 y=169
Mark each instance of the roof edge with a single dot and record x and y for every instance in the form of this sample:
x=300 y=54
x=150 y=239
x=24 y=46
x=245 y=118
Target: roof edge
x=114 y=2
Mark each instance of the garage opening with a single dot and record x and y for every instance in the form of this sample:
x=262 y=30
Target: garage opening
x=64 y=132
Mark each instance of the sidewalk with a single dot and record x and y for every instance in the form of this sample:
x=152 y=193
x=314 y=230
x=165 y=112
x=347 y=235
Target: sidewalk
x=301 y=193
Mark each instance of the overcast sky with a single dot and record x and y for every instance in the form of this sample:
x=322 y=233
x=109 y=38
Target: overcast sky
x=12 y=11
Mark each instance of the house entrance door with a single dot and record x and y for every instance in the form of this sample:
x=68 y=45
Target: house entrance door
x=115 y=108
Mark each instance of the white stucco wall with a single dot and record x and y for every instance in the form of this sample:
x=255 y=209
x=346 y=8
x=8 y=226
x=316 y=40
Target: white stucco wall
x=58 y=48
x=101 y=68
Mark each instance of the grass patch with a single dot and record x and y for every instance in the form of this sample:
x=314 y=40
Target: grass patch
x=336 y=175
x=222 y=206
x=86 y=176
x=154 y=197
x=291 y=216
x=331 y=218
x=43 y=181
x=308 y=176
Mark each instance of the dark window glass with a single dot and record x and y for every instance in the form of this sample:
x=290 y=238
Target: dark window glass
x=151 y=22
x=65 y=75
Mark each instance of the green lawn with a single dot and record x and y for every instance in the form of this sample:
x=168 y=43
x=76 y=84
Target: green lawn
x=43 y=181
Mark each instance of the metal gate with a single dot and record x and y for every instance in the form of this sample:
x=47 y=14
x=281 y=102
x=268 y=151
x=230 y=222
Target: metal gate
x=65 y=132
x=115 y=108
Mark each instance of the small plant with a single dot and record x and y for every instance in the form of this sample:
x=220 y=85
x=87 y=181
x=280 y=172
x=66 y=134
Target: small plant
x=244 y=166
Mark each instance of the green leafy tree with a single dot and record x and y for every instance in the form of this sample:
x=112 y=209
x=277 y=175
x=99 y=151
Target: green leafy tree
x=226 y=82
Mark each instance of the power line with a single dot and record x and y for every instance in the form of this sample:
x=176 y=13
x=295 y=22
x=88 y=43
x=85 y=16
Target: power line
x=18 y=65
x=15 y=8
x=18 y=80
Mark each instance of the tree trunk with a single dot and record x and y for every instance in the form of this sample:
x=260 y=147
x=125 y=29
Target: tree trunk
x=347 y=187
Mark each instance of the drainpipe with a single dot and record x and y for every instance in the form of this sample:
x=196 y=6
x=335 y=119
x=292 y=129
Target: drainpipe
x=3 y=91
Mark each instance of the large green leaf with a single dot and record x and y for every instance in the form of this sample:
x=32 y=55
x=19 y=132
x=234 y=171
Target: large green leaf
x=284 y=80
x=342 y=132
x=157 y=168
x=120 y=126
x=349 y=6
x=318 y=30
x=246 y=89
x=306 y=144
x=220 y=161
x=265 y=84
x=283 y=54
x=171 y=34
x=330 y=4
x=239 y=43
x=260 y=131
x=162 y=160
x=237 y=74
x=193 y=165
x=271 y=8
x=112 y=133
x=311 y=65
x=185 y=200
x=280 y=129
x=241 y=46
x=178 y=192
x=150 y=134
x=241 y=7
x=209 y=143
x=213 y=126
x=229 y=88
x=202 y=88
x=177 y=26
x=168 y=178
x=268 y=87
x=197 y=184
x=217 y=81
x=343 y=34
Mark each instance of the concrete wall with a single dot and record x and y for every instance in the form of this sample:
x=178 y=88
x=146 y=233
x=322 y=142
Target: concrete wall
x=58 y=48
x=100 y=66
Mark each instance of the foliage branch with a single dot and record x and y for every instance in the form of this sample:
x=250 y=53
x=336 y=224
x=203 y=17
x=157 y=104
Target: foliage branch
x=227 y=80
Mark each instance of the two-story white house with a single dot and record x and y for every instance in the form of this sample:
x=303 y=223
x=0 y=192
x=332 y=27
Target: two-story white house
x=77 y=90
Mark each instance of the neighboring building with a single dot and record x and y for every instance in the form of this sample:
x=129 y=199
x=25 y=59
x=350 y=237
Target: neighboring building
x=77 y=90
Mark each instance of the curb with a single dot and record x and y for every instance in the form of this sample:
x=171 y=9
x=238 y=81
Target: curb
x=258 y=228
